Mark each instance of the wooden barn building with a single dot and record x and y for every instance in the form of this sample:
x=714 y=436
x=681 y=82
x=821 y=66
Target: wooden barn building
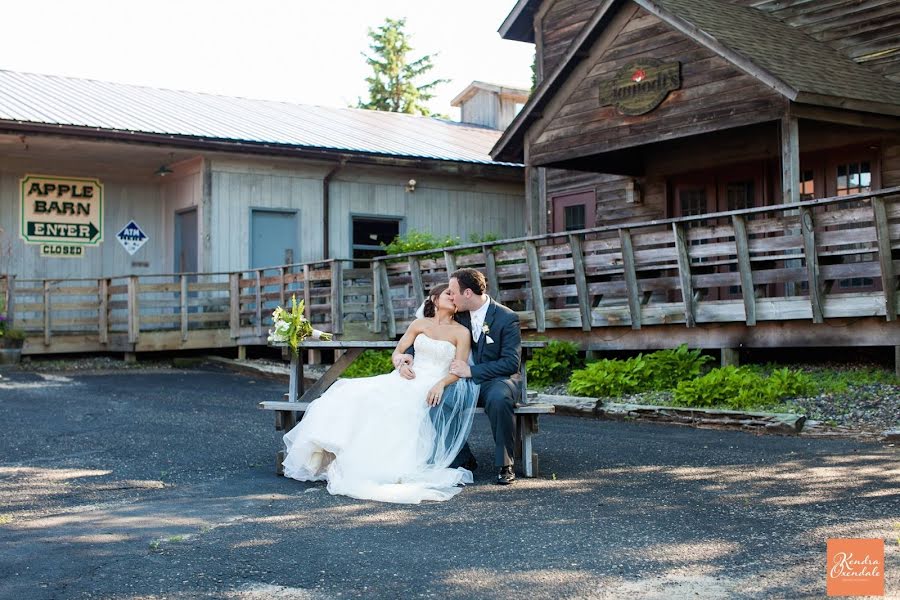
x=724 y=173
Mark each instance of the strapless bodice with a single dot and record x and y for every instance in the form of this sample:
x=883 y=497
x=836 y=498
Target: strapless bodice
x=432 y=354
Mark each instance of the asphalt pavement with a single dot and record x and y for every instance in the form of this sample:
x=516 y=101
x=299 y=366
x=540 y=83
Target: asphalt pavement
x=161 y=484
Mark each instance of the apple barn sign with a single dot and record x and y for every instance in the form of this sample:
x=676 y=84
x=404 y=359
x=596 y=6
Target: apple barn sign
x=61 y=214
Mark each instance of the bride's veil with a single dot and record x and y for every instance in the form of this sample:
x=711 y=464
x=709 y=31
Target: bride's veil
x=452 y=420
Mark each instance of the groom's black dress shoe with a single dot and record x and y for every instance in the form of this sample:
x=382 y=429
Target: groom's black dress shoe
x=506 y=476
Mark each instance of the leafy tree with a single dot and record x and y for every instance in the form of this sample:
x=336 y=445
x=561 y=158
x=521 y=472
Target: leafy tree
x=392 y=85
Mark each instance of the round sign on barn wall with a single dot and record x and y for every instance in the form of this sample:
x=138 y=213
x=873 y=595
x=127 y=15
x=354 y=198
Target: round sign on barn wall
x=640 y=86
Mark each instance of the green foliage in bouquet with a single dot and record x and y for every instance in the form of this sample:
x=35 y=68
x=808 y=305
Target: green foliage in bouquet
x=293 y=327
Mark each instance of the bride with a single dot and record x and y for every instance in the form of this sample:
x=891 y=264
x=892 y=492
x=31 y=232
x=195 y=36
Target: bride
x=378 y=438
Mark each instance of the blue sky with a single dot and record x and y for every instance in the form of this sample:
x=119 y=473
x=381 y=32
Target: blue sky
x=305 y=51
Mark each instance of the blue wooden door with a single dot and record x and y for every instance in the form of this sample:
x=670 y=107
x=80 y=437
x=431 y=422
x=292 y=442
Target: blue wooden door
x=273 y=238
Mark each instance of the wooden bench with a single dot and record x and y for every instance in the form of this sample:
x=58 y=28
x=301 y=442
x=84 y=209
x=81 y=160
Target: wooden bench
x=297 y=400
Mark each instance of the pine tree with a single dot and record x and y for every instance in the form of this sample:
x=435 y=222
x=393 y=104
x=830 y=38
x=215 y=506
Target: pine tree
x=392 y=84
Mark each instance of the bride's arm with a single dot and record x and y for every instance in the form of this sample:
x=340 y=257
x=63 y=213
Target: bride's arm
x=463 y=346
x=398 y=357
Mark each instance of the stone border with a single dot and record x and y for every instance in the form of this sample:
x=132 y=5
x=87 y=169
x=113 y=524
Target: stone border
x=755 y=421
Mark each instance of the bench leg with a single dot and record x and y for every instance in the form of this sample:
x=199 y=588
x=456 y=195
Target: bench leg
x=285 y=420
x=528 y=427
x=279 y=463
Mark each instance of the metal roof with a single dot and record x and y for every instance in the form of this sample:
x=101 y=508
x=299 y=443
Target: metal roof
x=115 y=107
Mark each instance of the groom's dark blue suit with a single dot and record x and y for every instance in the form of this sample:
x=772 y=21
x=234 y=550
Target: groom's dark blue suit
x=496 y=370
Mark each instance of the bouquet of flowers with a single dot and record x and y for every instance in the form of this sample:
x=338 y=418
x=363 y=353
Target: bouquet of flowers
x=292 y=327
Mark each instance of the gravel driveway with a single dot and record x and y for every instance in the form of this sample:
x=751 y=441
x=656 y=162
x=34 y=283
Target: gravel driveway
x=160 y=484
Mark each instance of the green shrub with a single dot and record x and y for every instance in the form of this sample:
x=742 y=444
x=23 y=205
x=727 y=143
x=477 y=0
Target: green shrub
x=661 y=370
x=740 y=388
x=416 y=241
x=369 y=363
x=553 y=363
x=612 y=378
x=669 y=367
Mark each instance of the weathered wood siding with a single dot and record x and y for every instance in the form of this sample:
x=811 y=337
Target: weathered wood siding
x=559 y=25
x=440 y=205
x=123 y=201
x=714 y=95
x=611 y=208
x=890 y=162
x=865 y=31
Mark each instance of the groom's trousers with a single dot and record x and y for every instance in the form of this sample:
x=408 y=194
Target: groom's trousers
x=498 y=399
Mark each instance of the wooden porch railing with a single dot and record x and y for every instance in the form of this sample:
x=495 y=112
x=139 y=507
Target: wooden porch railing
x=811 y=261
x=184 y=310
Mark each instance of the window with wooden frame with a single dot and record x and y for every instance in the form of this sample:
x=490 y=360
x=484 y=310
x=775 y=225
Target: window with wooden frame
x=574 y=210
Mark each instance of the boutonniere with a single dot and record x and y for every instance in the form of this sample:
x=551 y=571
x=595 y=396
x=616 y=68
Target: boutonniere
x=486 y=330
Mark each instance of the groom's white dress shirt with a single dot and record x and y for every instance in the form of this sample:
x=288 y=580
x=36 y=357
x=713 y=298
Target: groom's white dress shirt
x=476 y=318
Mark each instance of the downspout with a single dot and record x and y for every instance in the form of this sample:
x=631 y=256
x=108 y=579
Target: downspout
x=326 y=185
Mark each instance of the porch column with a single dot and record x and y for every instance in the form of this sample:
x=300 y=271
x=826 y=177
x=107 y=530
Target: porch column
x=790 y=181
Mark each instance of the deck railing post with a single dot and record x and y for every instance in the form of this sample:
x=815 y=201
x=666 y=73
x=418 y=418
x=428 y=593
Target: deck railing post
x=103 y=310
x=259 y=313
x=385 y=286
x=134 y=323
x=449 y=262
x=745 y=269
x=537 y=288
x=816 y=294
x=184 y=308
x=415 y=271
x=46 y=315
x=684 y=273
x=584 y=298
x=490 y=265
x=377 y=300
x=234 y=304
x=10 y=300
x=631 y=282
x=337 y=297
x=885 y=258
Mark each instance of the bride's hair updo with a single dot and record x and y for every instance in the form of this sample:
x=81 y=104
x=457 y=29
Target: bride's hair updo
x=430 y=308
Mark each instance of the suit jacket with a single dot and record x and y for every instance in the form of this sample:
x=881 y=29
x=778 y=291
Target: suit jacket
x=500 y=359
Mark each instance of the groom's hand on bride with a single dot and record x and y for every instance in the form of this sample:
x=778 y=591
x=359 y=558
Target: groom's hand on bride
x=460 y=368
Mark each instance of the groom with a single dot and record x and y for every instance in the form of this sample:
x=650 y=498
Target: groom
x=493 y=365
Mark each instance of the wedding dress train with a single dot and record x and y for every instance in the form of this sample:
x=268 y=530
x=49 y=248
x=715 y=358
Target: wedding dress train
x=376 y=438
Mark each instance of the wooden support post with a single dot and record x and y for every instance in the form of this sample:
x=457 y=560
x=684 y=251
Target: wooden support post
x=131 y=357
x=184 y=308
x=808 y=230
x=10 y=301
x=388 y=305
x=631 y=282
x=537 y=289
x=885 y=259
x=684 y=273
x=731 y=356
x=449 y=262
x=490 y=265
x=307 y=292
x=415 y=270
x=234 y=302
x=259 y=327
x=103 y=310
x=242 y=353
x=134 y=322
x=377 y=300
x=897 y=360
x=46 y=314
x=281 y=286
x=790 y=182
x=581 y=286
x=742 y=245
x=337 y=297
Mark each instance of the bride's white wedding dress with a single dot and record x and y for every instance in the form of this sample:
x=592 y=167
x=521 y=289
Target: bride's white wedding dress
x=373 y=438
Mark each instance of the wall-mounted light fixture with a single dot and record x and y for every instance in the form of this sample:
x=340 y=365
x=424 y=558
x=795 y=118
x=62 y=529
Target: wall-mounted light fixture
x=163 y=170
x=411 y=185
x=633 y=192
